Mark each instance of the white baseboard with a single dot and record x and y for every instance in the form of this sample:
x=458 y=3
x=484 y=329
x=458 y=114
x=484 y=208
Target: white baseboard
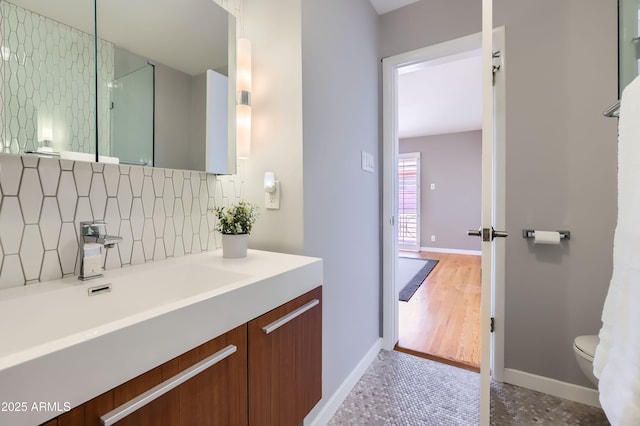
x=452 y=251
x=553 y=387
x=335 y=401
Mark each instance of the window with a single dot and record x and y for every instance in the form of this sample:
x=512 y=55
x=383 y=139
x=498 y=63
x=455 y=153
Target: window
x=409 y=201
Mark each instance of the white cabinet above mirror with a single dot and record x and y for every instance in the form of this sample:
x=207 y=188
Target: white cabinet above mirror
x=149 y=102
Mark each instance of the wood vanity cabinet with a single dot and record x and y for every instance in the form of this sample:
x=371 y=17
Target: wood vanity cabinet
x=274 y=377
x=285 y=362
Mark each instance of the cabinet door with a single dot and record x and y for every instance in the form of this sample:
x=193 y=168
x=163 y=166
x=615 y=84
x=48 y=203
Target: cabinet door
x=218 y=395
x=285 y=362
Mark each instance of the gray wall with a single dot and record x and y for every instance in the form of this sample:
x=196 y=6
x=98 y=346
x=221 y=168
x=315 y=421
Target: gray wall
x=172 y=126
x=452 y=162
x=561 y=161
x=341 y=202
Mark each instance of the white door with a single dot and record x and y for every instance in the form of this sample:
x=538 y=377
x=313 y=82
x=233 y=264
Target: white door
x=409 y=201
x=493 y=177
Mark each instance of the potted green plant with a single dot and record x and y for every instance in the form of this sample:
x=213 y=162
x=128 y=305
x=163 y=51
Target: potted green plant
x=235 y=223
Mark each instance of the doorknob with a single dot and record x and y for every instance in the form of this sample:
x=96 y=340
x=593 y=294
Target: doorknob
x=487 y=234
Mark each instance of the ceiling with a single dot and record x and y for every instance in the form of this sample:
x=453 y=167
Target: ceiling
x=384 y=6
x=441 y=96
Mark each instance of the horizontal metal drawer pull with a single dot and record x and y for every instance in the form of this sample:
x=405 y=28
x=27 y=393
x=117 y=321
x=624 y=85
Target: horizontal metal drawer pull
x=285 y=319
x=140 y=401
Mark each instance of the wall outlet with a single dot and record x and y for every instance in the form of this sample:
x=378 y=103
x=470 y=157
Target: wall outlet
x=433 y=238
x=433 y=186
x=272 y=199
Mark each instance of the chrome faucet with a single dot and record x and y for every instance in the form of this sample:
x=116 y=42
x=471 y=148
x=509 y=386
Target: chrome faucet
x=95 y=232
x=95 y=242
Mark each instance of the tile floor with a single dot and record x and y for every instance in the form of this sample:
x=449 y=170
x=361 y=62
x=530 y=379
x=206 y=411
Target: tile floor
x=401 y=389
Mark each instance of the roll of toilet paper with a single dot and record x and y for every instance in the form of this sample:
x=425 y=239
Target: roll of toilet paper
x=546 y=237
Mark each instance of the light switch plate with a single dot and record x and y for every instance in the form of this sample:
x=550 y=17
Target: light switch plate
x=272 y=199
x=368 y=162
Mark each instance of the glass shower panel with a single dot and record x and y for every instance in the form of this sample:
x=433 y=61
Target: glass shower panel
x=628 y=41
x=132 y=111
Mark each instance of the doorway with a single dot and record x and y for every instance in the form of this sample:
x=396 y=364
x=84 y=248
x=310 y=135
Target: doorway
x=493 y=133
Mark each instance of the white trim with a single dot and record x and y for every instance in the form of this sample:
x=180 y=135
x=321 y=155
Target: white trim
x=553 y=387
x=390 y=151
x=335 y=401
x=452 y=251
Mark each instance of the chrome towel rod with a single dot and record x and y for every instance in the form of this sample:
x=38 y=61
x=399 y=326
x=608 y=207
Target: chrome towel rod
x=613 y=110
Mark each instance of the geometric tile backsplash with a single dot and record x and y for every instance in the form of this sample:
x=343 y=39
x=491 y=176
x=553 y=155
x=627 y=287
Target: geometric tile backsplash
x=159 y=213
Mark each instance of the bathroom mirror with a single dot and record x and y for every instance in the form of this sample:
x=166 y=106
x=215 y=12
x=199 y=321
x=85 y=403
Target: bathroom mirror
x=164 y=87
x=164 y=96
x=47 y=74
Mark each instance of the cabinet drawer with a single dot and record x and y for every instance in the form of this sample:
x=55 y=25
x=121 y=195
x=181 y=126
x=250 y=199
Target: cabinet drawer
x=285 y=362
x=216 y=395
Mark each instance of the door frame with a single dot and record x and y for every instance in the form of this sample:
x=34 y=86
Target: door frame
x=495 y=303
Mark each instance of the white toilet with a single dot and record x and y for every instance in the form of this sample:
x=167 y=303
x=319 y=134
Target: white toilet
x=584 y=348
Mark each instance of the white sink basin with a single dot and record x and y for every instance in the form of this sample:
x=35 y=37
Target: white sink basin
x=65 y=310
x=61 y=345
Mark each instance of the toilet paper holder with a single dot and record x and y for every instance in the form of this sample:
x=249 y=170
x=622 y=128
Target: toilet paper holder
x=531 y=233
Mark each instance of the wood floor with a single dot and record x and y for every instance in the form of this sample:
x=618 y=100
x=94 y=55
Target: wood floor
x=442 y=319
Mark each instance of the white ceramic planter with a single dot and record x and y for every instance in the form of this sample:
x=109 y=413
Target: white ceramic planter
x=234 y=245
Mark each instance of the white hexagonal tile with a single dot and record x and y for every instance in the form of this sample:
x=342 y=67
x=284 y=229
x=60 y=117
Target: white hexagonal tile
x=31 y=252
x=98 y=196
x=30 y=161
x=111 y=174
x=195 y=215
x=137 y=254
x=136 y=175
x=211 y=185
x=97 y=167
x=169 y=197
x=178 y=218
x=126 y=245
x=148 y=197
x=49 y=171
x=67 y=196
x=196 y=247
x=204 y=199
x=159 y=253
x=50 y=266
x=82 y=174
x=178 y=249
x=158 y=182
x=11 y=225
x=195 y=184
x=178 y=182
x=187 y=234
x=125 y=197
x=125 y=170
x=169 y=237
x=148 y=171
x=148 y=239
x=159 y=217
x=30 y=196
x=10 y=173
x=218 y=194
x=83 y=211
x=68 y=248
x=112 y=216
x=211 y=242
x=137 y=219
x=187 y=198
x=204 y=232
x=12 y=275
x=50 y=223
x=66 y=164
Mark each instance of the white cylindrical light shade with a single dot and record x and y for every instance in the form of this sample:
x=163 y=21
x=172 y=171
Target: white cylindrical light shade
x=243 y=71
x=243 y=109
x=243 y=131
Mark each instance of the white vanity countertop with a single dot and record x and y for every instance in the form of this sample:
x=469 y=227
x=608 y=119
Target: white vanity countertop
x=60 y=345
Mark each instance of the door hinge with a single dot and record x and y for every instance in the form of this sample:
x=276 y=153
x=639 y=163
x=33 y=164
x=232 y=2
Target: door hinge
x=493 y=324
x=497 y=64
